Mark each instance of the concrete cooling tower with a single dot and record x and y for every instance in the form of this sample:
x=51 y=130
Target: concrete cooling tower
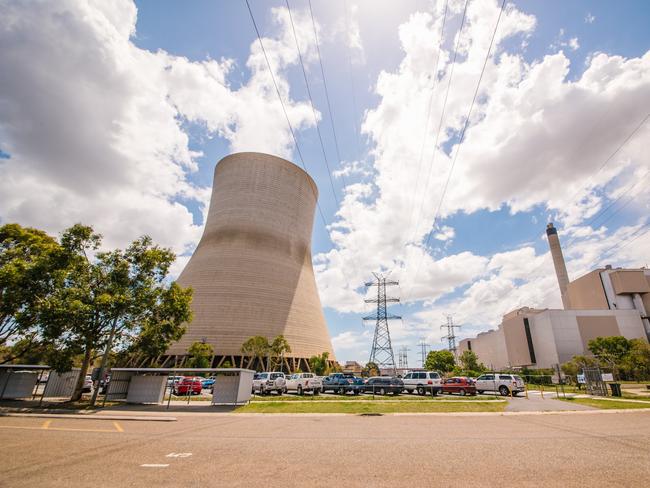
x=252 y=272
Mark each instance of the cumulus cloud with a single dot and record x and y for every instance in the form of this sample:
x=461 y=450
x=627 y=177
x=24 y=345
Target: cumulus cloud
x=535 y=139
x=92 y=124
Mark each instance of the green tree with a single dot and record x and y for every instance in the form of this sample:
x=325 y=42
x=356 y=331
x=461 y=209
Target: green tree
x=575 y=366
x=200 y=355
x=636 y=363
x=31 y=267
x=469 y=362
x=372 y=369
x=279 y=347
x=108 y=298
x=320 y=364
x=610 y=351
x=442 y=361
x=257 y=347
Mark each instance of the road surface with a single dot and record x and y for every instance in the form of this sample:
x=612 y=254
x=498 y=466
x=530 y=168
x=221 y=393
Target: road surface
x=579 y=449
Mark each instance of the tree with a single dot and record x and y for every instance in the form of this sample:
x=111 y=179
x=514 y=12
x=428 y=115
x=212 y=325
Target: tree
x=575 y=366
x=469 y=362
x=372 y=369
x=442 y=361
x=200 y=355
x=258 y=348
x=610 y=350
x=319 y=364
x=31 y=267
x=636 y=363
x=279 y=347
x=107 y=298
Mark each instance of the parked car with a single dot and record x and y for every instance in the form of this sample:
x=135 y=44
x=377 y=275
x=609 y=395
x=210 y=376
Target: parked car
x=172 y=380
x=343 y=383
x=267 y=382
x=208 y=383
x=503 y=383
x=88 y=384
x=190 y=385
x=423 y=382
x=383 y=385
x=302 y=382
x=459 y=384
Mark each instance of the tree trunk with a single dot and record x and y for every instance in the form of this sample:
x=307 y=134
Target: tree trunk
x=76 y=396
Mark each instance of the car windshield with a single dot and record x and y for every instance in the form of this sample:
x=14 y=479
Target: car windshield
x=518 y=378
x=276 y=375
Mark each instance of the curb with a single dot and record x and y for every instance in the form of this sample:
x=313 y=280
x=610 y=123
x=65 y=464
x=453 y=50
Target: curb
x=89 y=417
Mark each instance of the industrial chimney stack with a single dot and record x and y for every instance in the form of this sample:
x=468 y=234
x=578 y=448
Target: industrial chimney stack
x=558 y=262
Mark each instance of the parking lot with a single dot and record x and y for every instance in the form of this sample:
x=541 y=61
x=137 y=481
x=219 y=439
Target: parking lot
x=322 y=450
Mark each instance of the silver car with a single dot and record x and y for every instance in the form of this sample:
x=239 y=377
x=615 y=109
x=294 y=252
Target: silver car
x=502 y=383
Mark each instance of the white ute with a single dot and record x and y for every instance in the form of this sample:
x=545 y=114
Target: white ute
x=302 y=382
x=265 y=383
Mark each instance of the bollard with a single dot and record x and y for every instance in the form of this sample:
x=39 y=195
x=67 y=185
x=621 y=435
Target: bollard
x=541 y=390
x=526 y=390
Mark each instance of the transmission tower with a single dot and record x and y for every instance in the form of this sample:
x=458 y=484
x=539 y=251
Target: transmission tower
x=451 y=336
x=403 y=358
x=382 y=349
x=424 y=350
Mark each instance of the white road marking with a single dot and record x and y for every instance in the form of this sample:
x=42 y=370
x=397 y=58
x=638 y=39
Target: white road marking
x=179 y=454
x=154 y=465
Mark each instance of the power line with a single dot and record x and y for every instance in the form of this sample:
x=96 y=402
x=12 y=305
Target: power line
x=426 y=125
x=462 y=135
x=352 y=90
x=284 y=110
x=442 y=115
x=327 y=95
x=311 y=102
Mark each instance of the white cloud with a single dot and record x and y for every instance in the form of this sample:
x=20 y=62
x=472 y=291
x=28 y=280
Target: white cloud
x=93 y=123
x=536 y=138
x=589 y=18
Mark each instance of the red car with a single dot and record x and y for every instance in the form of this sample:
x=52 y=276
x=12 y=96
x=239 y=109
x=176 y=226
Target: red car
x=186 y=386
x=459 y=384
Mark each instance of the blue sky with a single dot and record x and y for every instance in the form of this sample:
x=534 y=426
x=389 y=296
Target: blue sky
x=565 y=84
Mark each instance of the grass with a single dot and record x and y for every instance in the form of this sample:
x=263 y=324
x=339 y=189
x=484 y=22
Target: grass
x=366 y=398
x=370 y=407
x=606 y=404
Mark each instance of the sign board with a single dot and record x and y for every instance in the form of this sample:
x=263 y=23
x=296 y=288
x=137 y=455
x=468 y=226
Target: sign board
x=607 y=376
x=581 y=379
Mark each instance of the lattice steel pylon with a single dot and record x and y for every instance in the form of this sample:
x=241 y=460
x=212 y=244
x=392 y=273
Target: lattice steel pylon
x=451 y=337
x=382 y=348
x=403 y=359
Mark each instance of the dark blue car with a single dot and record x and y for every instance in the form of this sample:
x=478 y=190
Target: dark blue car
x=343 y=383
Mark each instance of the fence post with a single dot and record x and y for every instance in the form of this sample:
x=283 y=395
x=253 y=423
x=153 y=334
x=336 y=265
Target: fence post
x=541 y=390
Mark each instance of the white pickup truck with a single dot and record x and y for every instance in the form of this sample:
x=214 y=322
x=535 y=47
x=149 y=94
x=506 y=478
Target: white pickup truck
x=302 y=382
x=265 y=383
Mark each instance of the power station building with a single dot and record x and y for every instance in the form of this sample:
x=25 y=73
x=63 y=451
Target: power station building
x=604 y=302
x=252 y=271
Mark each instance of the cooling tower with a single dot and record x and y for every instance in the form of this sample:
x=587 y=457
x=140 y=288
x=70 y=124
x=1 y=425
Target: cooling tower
x=558 y=262
x=252 y=272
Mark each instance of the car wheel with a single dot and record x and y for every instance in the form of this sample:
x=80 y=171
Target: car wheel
x=300 y=392
x=280 y=392
x=480 y=392
x=504 y=390
x=316 y=392
x=356 y=392
x=410 y=392
x=461 y=392
x=421 y=390
x=515 y=393
x=382 y=391
x=434 y=392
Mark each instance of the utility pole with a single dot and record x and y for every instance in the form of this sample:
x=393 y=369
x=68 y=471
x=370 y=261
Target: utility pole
x=382 y=348
x=451 y=336
x=424 y=350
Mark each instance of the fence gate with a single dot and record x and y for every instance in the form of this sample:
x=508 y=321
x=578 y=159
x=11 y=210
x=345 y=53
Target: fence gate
x=594 y=383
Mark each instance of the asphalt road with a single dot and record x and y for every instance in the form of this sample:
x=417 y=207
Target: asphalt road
x=579 y=449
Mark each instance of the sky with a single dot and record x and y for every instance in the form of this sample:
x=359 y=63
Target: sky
x=454 y=132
